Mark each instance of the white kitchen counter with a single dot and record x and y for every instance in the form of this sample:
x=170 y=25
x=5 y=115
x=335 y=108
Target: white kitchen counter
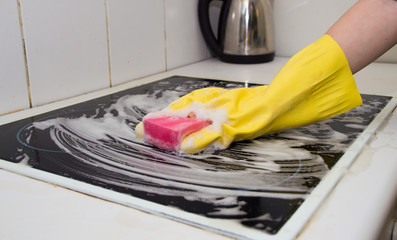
x=357 y=208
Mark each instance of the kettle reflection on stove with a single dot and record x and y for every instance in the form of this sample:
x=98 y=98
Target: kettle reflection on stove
x=245 y=30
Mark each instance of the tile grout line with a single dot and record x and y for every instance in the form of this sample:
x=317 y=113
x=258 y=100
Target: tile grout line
x=165 y=36
x=108 y=41
x=25 y=54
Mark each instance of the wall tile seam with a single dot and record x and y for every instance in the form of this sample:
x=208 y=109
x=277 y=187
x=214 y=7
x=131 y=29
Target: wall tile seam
x=106 y=3
x=165 y=37
x=24 y=53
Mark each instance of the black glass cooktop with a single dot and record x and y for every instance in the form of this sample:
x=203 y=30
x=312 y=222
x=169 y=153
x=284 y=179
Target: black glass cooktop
x=256 y=185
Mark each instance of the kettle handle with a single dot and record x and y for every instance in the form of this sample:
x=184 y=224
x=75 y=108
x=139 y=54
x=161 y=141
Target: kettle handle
x=205 y=26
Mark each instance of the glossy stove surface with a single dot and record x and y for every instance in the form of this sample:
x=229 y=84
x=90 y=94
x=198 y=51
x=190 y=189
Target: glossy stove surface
x=250 y=190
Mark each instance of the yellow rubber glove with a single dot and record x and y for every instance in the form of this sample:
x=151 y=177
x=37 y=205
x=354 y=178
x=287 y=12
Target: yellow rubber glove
x=315 y=84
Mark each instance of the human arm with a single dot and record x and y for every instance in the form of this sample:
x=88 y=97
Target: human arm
x=366 y=31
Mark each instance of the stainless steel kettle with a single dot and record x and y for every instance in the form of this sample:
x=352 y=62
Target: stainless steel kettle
x=245 y=30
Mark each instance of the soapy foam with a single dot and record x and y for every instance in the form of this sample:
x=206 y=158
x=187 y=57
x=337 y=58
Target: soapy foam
x=109 y=142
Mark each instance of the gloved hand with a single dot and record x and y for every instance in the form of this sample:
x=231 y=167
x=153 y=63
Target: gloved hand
x=314 y=85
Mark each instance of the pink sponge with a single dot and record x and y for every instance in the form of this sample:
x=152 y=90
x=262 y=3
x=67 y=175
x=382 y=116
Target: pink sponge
x=168 y=132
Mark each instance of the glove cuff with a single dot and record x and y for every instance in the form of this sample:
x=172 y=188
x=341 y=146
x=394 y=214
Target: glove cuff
x=317 y=83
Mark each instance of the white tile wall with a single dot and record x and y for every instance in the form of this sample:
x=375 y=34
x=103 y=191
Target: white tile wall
x=13 y=83
x=136 y=39
x=78 y=46
x=66 y=47
x=390 y=56
x=184 y=41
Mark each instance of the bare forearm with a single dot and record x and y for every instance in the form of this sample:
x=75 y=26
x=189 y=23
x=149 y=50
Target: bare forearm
x=366 y=31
